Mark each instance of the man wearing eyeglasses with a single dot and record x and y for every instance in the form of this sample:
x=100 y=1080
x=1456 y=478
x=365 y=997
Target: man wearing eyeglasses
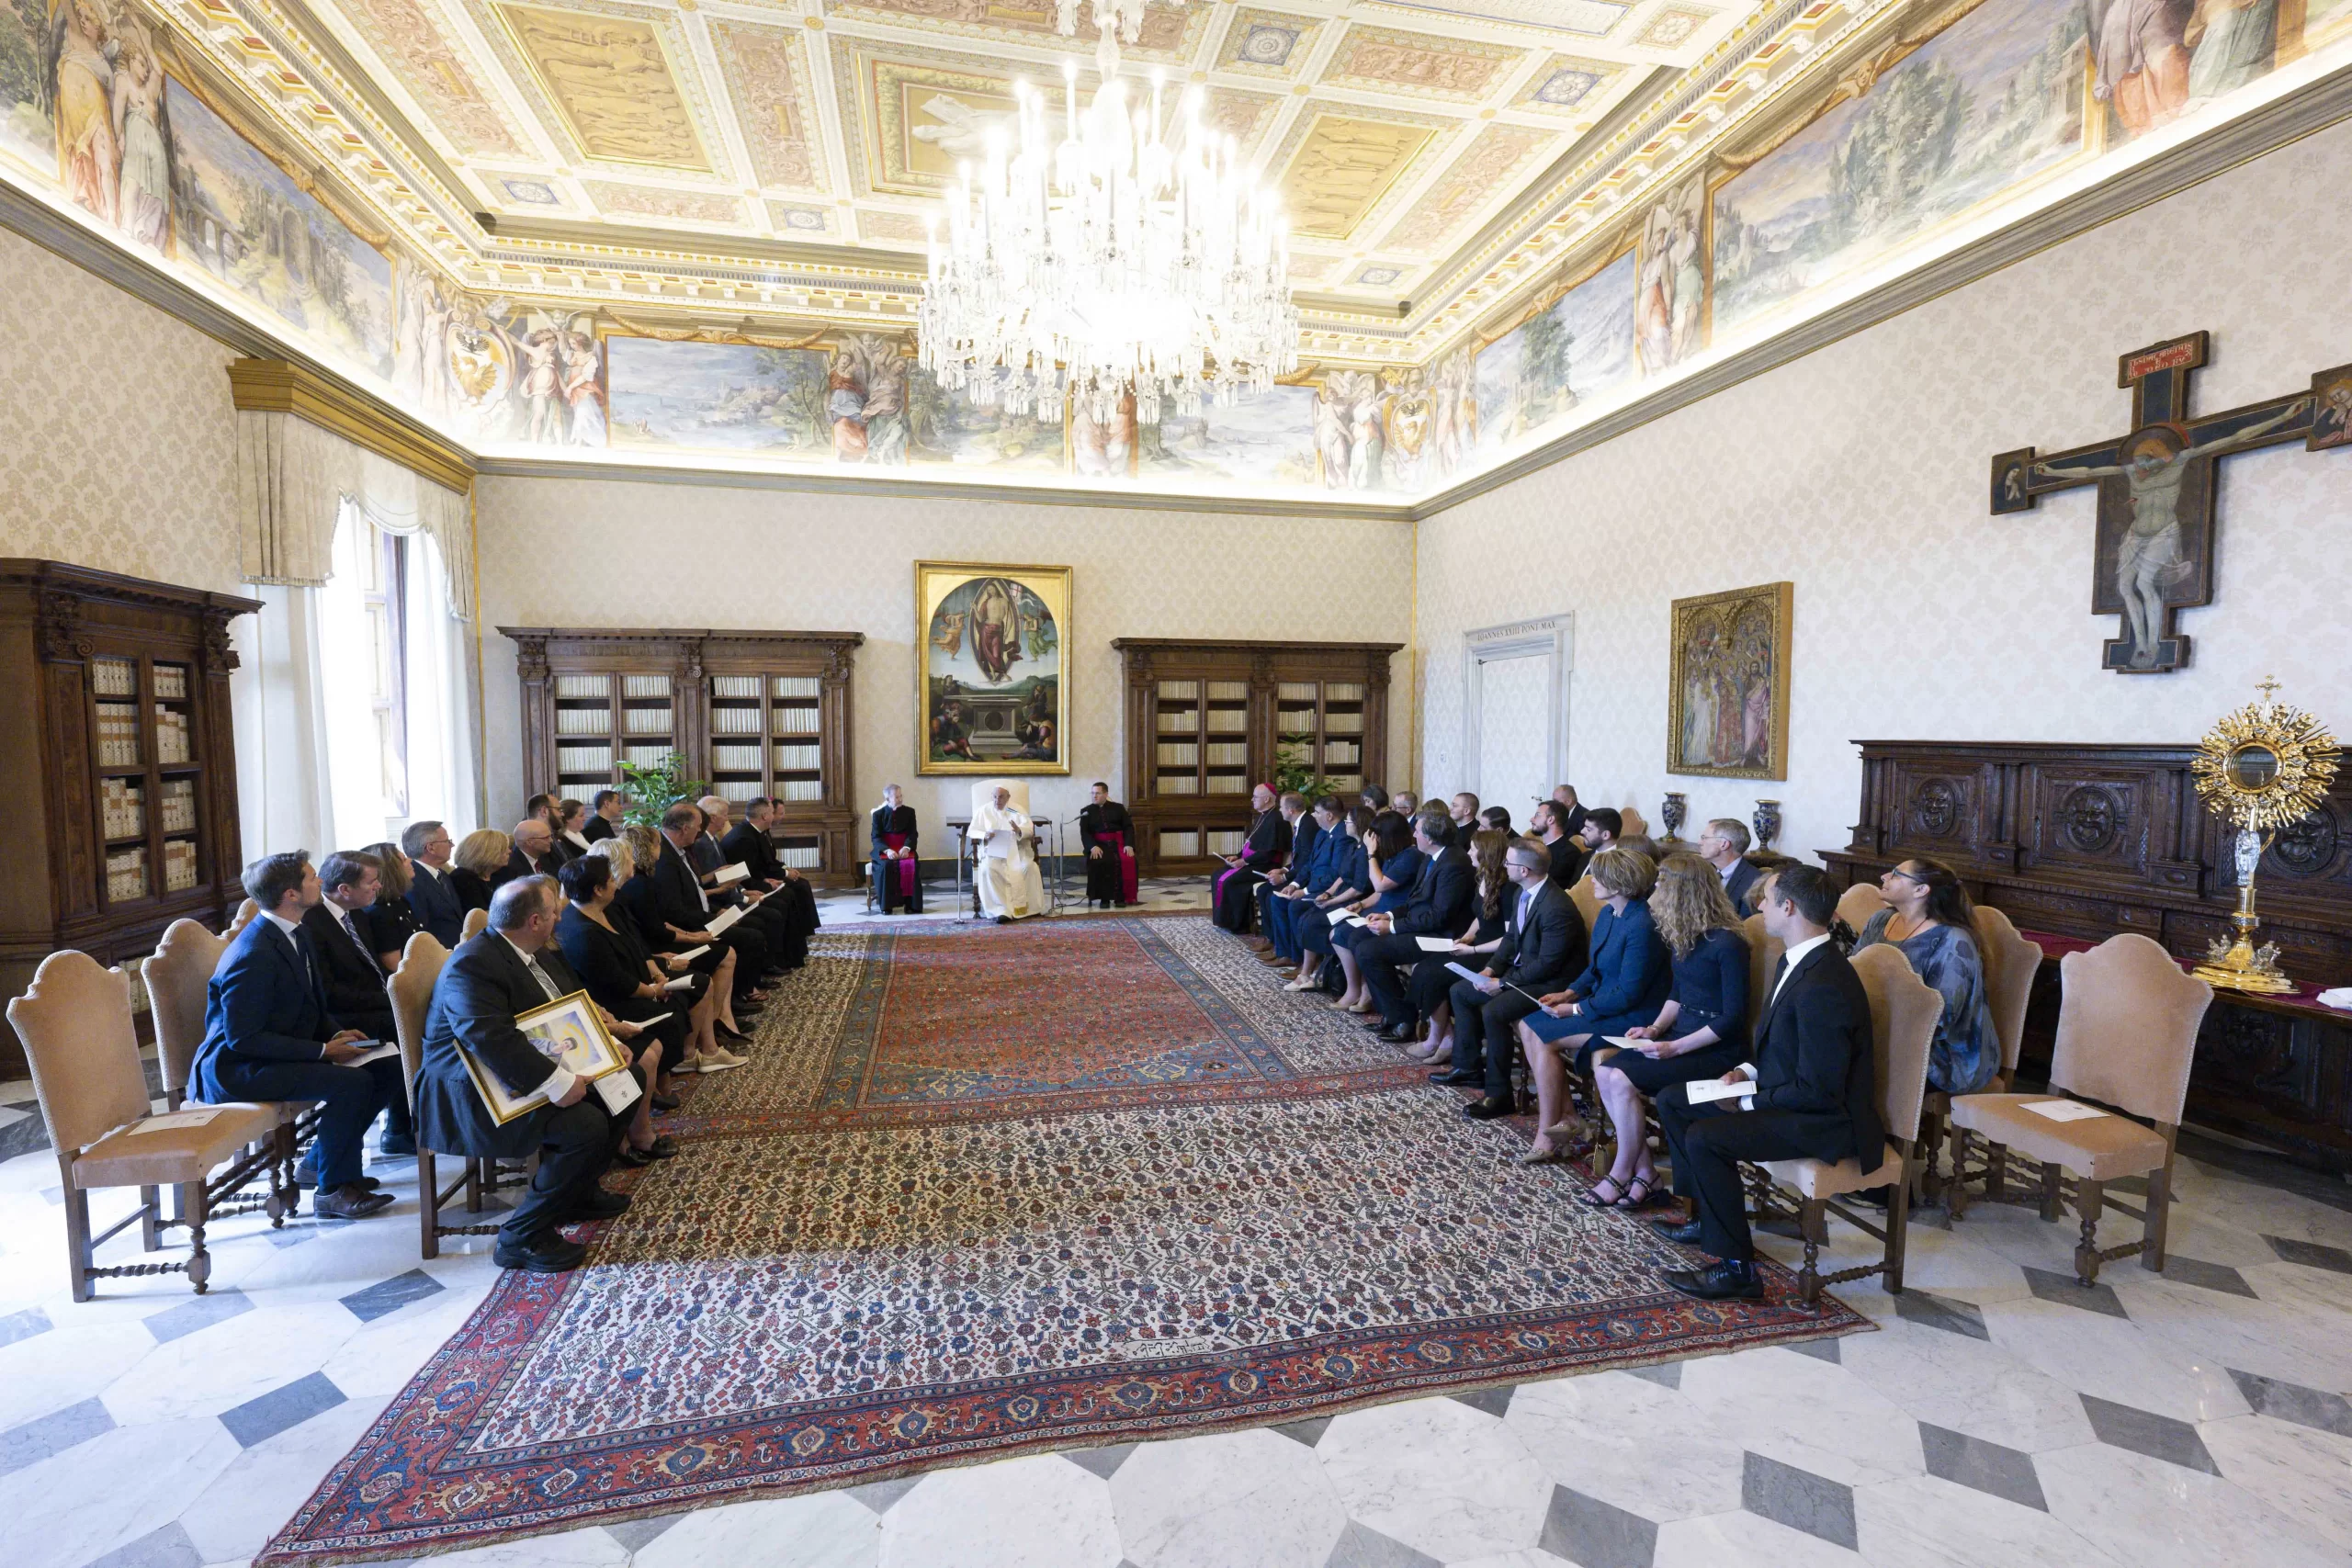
x=1724 y=846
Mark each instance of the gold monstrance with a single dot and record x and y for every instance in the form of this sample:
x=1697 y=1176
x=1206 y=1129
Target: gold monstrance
x=2265 y=767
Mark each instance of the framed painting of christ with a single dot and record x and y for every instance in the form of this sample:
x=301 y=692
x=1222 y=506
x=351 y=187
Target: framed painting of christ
x=991 y=693
x=1727 y=705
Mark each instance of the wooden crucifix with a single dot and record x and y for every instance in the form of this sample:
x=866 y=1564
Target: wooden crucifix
x=2156 y=489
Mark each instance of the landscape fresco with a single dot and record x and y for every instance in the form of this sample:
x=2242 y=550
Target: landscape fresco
x=238 y=216
x=730 y=396
x=27 y=129
x=1576 y=348
x=1264 y=438
x=1993 y=100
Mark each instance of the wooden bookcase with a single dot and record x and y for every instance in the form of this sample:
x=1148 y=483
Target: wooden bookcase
x=754 y=712
x=118 y=755
x=1207 y=720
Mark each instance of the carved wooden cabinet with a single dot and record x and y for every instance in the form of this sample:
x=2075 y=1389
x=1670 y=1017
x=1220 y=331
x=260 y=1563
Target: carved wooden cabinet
x=118 y=763
x=756 y=713
x=2084 y=841
x=1207 y=720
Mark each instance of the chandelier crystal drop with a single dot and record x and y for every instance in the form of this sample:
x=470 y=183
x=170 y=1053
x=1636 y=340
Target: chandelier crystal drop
x=1117 y=261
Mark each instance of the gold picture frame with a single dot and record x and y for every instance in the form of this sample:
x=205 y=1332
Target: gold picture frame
x=991 y=668
x=1728 y=698
x=582 y=1046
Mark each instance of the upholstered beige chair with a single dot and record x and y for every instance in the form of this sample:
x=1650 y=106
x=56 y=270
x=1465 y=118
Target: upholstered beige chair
x=411 y=990
x=1586 y=899
x=1635 y=826
x=75 y=1025
x=1904 y=1010
x=473 y=925
x=2011 y=964
x=2126 y=1028
x=1859 y=903
x=1763 y=956
x=245 y=916
x=177 y=978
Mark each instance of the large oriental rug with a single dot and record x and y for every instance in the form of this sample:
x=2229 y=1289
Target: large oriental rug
x=992 y=1190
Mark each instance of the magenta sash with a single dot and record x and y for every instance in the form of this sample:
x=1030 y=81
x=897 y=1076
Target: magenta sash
x=1115 y=845
x=906 y=866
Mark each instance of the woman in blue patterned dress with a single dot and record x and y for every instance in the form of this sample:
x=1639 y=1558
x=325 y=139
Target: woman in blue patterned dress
x=1929 y=918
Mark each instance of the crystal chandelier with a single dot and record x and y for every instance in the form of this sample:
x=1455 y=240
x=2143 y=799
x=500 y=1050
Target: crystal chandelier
x=1115 y=22
x=1117 y=261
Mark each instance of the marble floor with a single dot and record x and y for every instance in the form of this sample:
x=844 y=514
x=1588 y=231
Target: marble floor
x=1999 y=1416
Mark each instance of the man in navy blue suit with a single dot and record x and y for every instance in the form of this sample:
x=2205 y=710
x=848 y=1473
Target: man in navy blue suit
x=1442 y=904
x=269 y=1035
x=431 y=893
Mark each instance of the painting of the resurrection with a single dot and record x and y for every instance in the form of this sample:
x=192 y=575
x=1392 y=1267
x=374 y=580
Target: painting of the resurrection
x=1728 y=709
x=990 y=697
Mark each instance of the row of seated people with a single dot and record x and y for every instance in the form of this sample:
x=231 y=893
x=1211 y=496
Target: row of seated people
x=300 y=997
x=1513 y=971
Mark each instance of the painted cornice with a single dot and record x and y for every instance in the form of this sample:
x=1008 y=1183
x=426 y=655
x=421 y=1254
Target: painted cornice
x=281 y=386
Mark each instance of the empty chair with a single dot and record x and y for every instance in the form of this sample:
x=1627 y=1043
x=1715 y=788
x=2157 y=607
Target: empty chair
x=2127 y=1018
x=1903 y=1012
x=75 y=1024
x=177 y=978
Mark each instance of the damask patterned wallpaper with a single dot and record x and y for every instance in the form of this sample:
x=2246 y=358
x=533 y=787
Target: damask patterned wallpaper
x=118 y=441
x=1860 y=474
x=573 y=552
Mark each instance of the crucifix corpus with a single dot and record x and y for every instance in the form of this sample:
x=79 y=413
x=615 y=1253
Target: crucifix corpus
x=2156 y=488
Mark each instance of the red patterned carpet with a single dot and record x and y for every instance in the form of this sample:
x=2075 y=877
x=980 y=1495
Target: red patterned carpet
x=990 y=1190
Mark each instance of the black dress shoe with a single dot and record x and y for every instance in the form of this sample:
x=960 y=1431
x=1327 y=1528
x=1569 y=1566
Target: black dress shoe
x=1483 y=1110
x=549 y=1254
x=1454 y=1078
x=599 y=1204
x=396 y=1145
x=1686 y=1234
x=1400 y=1034
x=1724 y=1282
x=665 y=1102
x=350 y=1201
x=1005 y=919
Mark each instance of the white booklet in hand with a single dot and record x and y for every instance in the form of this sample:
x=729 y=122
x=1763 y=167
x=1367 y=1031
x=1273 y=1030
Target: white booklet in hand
x=728 y=875
x=1705 y=1090
x=1435 y=944
x=618 y=1090
x=691 y=953
x=374 y=1051
x=721 y=921
x=680 y=984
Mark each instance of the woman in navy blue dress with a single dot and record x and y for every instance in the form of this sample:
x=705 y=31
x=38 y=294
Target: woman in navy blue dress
x=1395 y=867
x=1622 y=987
x=1702 y=1033
x=1350 y=867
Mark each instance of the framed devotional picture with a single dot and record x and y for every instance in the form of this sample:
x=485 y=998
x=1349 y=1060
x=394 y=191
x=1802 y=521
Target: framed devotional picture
x=1728 y=702
x=990 y=695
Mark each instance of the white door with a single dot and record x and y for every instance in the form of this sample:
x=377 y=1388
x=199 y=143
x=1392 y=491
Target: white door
x=1514 y=733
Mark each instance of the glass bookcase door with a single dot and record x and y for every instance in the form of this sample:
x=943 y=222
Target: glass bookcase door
x=1176 y=769
x=648 y=723
x=796 y=745
x=584 y=749
x=738 y=752
x=1225 y=738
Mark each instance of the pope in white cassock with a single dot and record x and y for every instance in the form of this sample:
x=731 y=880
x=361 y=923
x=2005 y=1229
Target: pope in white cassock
x=1008 y=881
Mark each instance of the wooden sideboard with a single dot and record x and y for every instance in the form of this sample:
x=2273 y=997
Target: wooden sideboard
x=2085 y=841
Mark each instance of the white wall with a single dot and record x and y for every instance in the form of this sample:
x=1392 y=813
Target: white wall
x=1860 y=474
x=778 y=560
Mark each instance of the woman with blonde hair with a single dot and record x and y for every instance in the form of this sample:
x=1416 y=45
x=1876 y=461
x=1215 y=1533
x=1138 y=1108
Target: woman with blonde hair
x=637 y=903
x=1622 y=987
x=1702 y=1033
x=480 y=862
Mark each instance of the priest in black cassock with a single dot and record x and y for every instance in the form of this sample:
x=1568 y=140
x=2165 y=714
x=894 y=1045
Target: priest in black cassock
x=897 y=870
x=1109 y=835
x=1234 y=891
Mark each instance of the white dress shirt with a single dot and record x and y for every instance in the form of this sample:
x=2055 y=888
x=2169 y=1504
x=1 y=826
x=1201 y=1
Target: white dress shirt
x=560 y=1082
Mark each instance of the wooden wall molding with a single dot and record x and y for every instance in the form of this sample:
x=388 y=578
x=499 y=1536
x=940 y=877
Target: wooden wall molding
x=282 y=386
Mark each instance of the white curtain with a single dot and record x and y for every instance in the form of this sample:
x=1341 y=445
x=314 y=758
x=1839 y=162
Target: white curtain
x=309 y=769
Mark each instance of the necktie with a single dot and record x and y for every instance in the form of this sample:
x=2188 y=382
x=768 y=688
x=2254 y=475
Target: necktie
x=545 y=983
x=1780 y=971
x=351 y=930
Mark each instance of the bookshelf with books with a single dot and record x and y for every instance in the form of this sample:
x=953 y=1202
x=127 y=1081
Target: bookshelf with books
x=1207 y=720
x=115 y=727
x=756 y=713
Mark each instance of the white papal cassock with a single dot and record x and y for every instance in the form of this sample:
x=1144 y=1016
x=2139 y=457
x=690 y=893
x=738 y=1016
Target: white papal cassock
x=1009 y=880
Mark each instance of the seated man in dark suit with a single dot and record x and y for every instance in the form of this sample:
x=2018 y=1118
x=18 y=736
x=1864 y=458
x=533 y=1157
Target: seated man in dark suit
x=1570 y=814
x=1816 y=1088
x=1543 y=948
x=268 y=1037
x=686 y=909
x=511 y=967
x=1724 y=846
x=535 y=853
x=431 y=893
x=708 y=855
x=356 y=998
x=1443 y=903
x=788 y=891
x=605 y=815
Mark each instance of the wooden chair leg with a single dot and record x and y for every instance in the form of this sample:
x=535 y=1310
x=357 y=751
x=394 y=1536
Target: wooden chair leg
x=1898 y=1223
x=78 y=1250
x=429 y=1207
x=473 y=1185
x=1813 y=1223
x=199 y=1262
x=2151 y=1256
x=1996 y=1173
x=1927 y=1183
x=2090 y=1198
x=151 y=1205
x=1956 y=1188
x=2053 y=1202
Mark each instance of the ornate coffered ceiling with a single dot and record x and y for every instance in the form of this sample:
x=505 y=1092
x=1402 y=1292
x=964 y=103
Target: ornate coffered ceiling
x=740 y=155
